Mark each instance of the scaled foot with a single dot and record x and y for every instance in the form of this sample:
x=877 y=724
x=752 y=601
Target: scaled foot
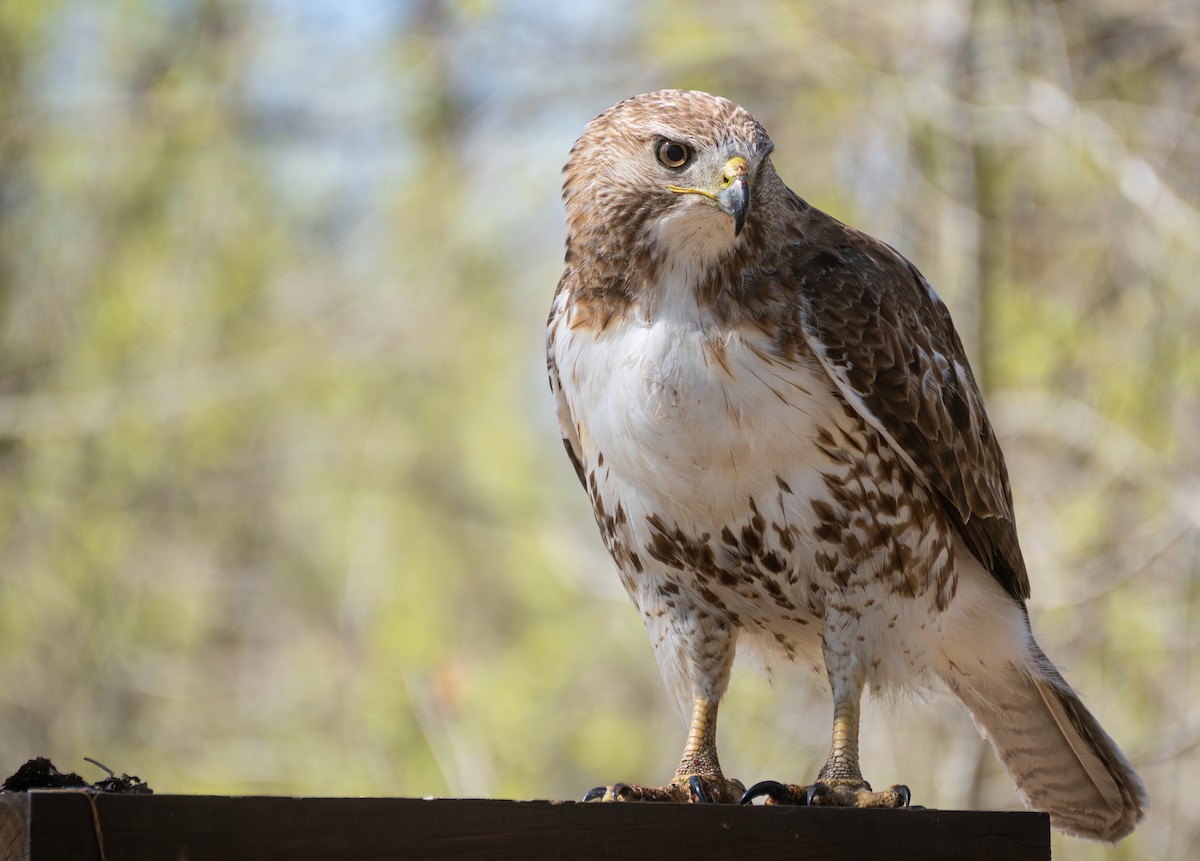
x=695 y=788
x=828 y=794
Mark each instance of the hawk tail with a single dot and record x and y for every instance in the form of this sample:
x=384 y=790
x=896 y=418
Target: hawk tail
x=1061 y=759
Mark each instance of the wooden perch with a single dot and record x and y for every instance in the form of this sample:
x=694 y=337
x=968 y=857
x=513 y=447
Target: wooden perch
x=64 y=824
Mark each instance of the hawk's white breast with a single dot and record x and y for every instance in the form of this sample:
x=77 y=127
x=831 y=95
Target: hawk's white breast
x=698 y=443
x=691 y=417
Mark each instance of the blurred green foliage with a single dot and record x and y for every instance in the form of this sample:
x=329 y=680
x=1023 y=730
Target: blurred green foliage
x=283 y=504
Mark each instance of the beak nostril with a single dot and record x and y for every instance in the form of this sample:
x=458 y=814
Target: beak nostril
x=736 y=168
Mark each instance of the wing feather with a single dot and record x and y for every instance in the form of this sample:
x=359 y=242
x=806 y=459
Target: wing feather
x=889 y=345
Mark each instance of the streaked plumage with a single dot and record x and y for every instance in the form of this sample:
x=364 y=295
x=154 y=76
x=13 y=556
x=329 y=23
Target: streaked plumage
x=784 y=446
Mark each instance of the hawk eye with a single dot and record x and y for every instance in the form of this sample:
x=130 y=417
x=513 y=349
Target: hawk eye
x=673 y=154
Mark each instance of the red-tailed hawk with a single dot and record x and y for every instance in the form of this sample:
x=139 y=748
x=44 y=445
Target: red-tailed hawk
x=785 y=447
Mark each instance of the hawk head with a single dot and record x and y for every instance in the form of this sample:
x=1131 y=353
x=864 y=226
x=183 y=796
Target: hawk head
x=679 y=171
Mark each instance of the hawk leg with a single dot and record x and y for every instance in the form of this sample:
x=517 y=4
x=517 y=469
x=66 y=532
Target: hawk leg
x=697 y=780
x=840 y=782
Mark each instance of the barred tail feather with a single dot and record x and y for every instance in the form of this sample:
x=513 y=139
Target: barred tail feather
x=1061 y=759
x=1058 y=755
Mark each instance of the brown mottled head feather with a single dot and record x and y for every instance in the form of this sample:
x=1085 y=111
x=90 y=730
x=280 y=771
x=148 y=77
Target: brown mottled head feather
x=612 y=177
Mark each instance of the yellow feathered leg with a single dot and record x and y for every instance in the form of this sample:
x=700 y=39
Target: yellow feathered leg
x=698 y=778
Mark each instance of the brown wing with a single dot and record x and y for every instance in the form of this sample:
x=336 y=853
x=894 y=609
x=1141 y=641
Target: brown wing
x=887 y=341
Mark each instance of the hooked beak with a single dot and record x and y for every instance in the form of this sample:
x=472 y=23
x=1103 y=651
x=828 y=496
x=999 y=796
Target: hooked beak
x=732 y=195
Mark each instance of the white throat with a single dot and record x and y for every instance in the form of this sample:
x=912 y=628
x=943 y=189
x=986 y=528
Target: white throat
x=688 y=241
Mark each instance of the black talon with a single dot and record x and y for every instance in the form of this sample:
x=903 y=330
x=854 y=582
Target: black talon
x=772 y=789
x=698 y=791
x=595 y=793
x=815 y=793
x=904 y=793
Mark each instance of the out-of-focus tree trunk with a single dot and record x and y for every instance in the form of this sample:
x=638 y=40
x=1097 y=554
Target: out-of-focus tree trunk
x=986 y=170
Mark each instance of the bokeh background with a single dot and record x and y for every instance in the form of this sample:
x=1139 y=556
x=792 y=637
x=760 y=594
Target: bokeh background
x=283 y=508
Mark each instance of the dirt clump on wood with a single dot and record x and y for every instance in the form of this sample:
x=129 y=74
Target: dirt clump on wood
x=40 y=773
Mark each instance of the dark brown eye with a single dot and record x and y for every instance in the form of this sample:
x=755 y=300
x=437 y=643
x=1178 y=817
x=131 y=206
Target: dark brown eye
x=673 y=154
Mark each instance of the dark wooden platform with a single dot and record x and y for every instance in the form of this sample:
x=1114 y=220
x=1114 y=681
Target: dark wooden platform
x=75 y=825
